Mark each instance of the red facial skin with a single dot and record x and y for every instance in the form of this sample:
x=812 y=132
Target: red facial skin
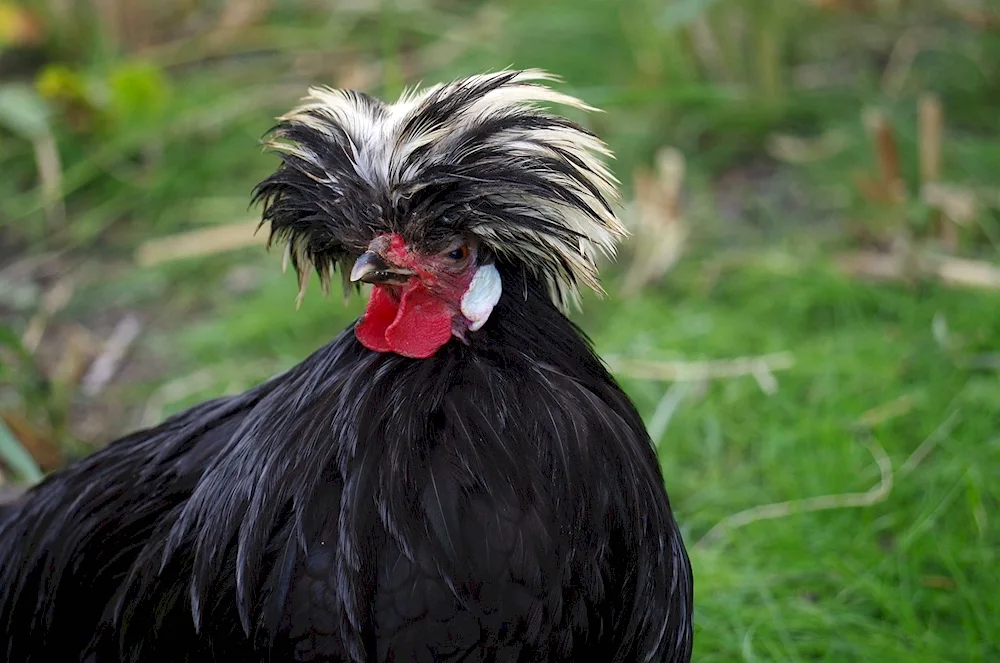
x=418 y=317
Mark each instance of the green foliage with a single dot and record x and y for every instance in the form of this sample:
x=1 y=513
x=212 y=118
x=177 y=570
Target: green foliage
x=129 y=97
x=138 y=93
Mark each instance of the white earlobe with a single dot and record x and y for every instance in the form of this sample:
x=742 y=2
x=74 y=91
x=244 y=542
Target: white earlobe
x=482 y=295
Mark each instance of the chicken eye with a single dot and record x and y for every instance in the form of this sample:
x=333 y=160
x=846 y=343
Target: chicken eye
x=460 y=252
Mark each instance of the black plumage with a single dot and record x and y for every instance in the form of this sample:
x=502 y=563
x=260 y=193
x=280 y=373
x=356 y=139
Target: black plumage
x=498 y=500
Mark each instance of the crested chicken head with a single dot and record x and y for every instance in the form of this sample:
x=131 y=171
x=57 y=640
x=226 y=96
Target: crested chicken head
x=431 y=199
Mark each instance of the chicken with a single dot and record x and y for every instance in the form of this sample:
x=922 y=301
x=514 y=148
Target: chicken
x=454 y=477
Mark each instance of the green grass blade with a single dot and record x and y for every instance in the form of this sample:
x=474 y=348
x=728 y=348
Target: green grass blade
x=16 y=457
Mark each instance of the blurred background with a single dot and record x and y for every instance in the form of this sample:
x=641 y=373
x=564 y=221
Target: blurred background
x=808 y=315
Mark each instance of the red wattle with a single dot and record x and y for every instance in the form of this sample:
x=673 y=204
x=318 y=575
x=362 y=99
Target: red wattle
x=422 y=325
x=415 y=327
x=379 y=314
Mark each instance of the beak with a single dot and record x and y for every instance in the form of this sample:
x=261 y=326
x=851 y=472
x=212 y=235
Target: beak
x=372 y=268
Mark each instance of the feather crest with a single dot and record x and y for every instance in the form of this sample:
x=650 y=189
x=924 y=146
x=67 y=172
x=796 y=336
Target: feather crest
x=477 y=155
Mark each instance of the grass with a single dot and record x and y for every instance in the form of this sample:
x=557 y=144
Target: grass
x=166 y=140
x=902 y=580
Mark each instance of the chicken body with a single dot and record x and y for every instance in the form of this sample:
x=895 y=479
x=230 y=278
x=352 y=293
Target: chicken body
x=497 y=502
